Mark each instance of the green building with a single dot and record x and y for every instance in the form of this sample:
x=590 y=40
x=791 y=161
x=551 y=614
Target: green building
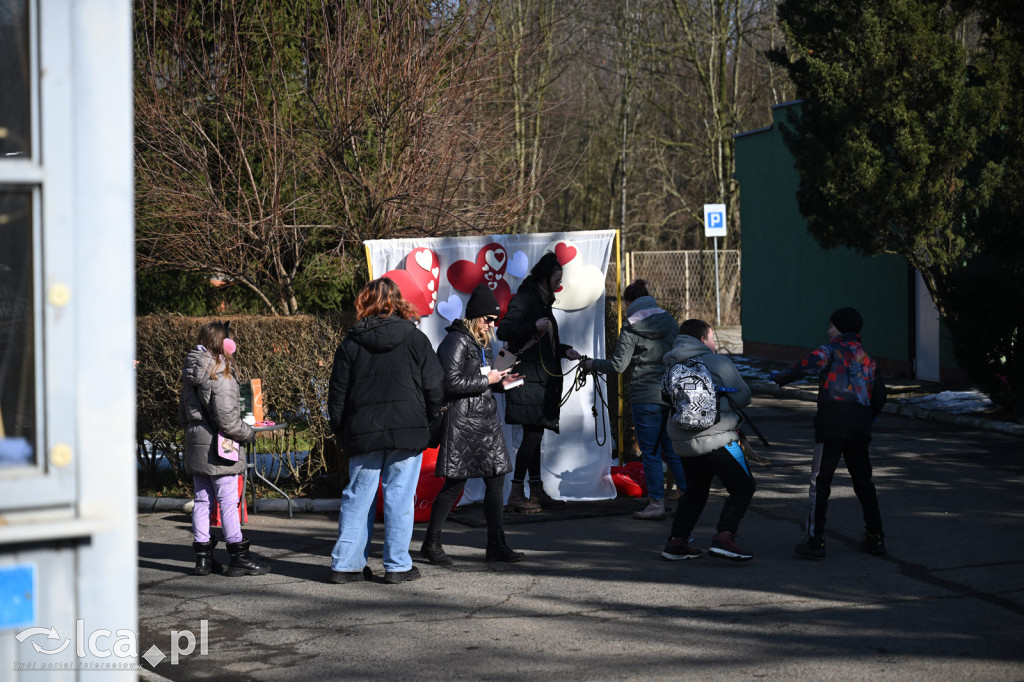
x=791 y=285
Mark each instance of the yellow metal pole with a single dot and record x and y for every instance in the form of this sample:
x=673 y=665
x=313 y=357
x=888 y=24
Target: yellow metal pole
x=618 y=305
x=369 y=265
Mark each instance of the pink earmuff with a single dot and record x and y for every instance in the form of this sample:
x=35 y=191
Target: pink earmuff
x=229 y=346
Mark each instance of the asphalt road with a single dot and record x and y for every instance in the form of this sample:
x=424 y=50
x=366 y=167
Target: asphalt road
x=595 y=601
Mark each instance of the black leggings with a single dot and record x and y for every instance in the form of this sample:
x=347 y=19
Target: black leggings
x=494 y=496
x=528 y=455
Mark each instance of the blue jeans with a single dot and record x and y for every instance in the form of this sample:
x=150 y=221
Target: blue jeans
x=400 y=472
x=649 y=420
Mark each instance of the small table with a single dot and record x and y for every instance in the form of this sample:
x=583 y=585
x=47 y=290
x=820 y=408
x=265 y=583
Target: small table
x=250 y=463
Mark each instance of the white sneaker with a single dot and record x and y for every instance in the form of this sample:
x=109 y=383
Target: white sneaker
x=654 y=511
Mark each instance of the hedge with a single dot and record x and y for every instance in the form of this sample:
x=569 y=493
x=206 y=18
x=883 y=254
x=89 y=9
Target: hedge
x=292 y=357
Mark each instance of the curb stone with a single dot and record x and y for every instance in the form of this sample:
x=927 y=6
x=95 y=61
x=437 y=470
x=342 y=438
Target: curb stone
x=164 y=505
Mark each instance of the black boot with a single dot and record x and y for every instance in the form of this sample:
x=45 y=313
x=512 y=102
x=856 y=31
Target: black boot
x=539 y=497
x=517 y=501
x=205 y=561
x=432 y=550
x=243 y=563
x=498 y=549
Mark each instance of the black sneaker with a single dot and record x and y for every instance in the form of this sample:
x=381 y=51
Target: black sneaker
x=342 y=577
x=872 y=544
x=811 y=548
x=401 y=576
x=678 y=549
x=724 y=545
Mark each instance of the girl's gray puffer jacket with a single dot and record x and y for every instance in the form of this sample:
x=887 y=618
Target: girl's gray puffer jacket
x=209 y=404
x=472 y=441
x=724 y=373
x=648 y=334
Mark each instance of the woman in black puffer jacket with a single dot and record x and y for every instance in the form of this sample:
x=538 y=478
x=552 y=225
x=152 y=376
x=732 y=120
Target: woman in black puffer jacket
x=537 y=404
x=472 y=442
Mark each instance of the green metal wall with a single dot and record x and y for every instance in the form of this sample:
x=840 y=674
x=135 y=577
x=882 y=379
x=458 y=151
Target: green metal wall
x=790 y=284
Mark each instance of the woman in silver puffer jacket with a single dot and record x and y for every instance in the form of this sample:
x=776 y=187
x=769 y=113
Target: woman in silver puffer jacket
x=210 y=412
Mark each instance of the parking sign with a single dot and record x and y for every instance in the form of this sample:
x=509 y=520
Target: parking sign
x=714 y=220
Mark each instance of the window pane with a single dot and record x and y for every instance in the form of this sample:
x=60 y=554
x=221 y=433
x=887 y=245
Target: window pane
x=17 y=338
x=15 y=83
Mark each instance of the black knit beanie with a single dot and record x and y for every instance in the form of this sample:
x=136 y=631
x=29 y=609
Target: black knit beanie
x=847 y=320
x=482 y=303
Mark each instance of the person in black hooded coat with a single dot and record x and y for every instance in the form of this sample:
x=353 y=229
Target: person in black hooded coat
x=472 y=440
x=537 y=404
x=384 y=391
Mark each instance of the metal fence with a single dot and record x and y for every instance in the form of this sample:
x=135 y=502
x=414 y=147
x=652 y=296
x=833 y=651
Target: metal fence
x=683 y=282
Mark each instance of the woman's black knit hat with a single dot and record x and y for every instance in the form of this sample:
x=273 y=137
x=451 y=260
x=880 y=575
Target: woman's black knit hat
x=482 y=303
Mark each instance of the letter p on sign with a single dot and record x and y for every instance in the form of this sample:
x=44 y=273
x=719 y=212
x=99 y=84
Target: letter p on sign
x=714 y=220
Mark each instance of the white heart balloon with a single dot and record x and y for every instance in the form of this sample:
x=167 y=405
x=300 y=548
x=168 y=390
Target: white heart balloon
x=495 y=258
x=582 y=285
x=425 y=260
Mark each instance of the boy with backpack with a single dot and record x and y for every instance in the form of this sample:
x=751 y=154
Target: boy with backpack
x=706 y=391
x=850 y=396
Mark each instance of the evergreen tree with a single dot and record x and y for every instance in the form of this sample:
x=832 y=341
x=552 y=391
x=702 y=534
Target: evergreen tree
x=908 y=142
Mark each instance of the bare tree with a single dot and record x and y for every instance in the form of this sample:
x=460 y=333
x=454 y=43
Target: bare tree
x=534 y=40
x=710 y=57
x=273 y=136
x=657 y=89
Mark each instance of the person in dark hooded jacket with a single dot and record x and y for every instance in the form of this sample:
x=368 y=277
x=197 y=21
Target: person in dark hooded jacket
x=648 y=334
x=385 y=389
x=530 y=329
x=472 y=441
x=851 y=394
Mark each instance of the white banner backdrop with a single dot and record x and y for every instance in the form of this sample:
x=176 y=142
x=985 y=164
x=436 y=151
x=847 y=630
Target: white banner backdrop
x=438 y=275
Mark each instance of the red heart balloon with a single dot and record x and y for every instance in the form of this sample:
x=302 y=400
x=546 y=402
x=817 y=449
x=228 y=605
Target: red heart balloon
x=418 y=282
x=564 y=253
x=411 y=291
x=464 y=276
x=489 y=269
x=425 y=268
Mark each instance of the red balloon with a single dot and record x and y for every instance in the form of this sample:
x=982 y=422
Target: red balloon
x=427 y=490
x=488 y=269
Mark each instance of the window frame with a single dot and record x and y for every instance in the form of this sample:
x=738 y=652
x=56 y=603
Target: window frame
x=47 y=172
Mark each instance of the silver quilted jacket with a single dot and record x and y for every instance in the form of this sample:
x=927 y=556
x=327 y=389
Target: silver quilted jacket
x=207 y=405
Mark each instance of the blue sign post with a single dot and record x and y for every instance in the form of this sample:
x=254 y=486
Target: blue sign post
x=714 y=226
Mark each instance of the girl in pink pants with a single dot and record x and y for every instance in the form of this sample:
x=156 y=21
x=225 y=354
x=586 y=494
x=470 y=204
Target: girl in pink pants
x=210 y=412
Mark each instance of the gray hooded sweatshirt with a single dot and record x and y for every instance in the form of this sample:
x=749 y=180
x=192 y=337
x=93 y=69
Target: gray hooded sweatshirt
x=645 y=338
x=724 y=373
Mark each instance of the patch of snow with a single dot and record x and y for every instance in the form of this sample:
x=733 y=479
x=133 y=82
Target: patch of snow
x=953 y=402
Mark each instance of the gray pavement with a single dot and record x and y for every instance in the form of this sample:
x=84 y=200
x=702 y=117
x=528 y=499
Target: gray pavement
x=594 y=600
